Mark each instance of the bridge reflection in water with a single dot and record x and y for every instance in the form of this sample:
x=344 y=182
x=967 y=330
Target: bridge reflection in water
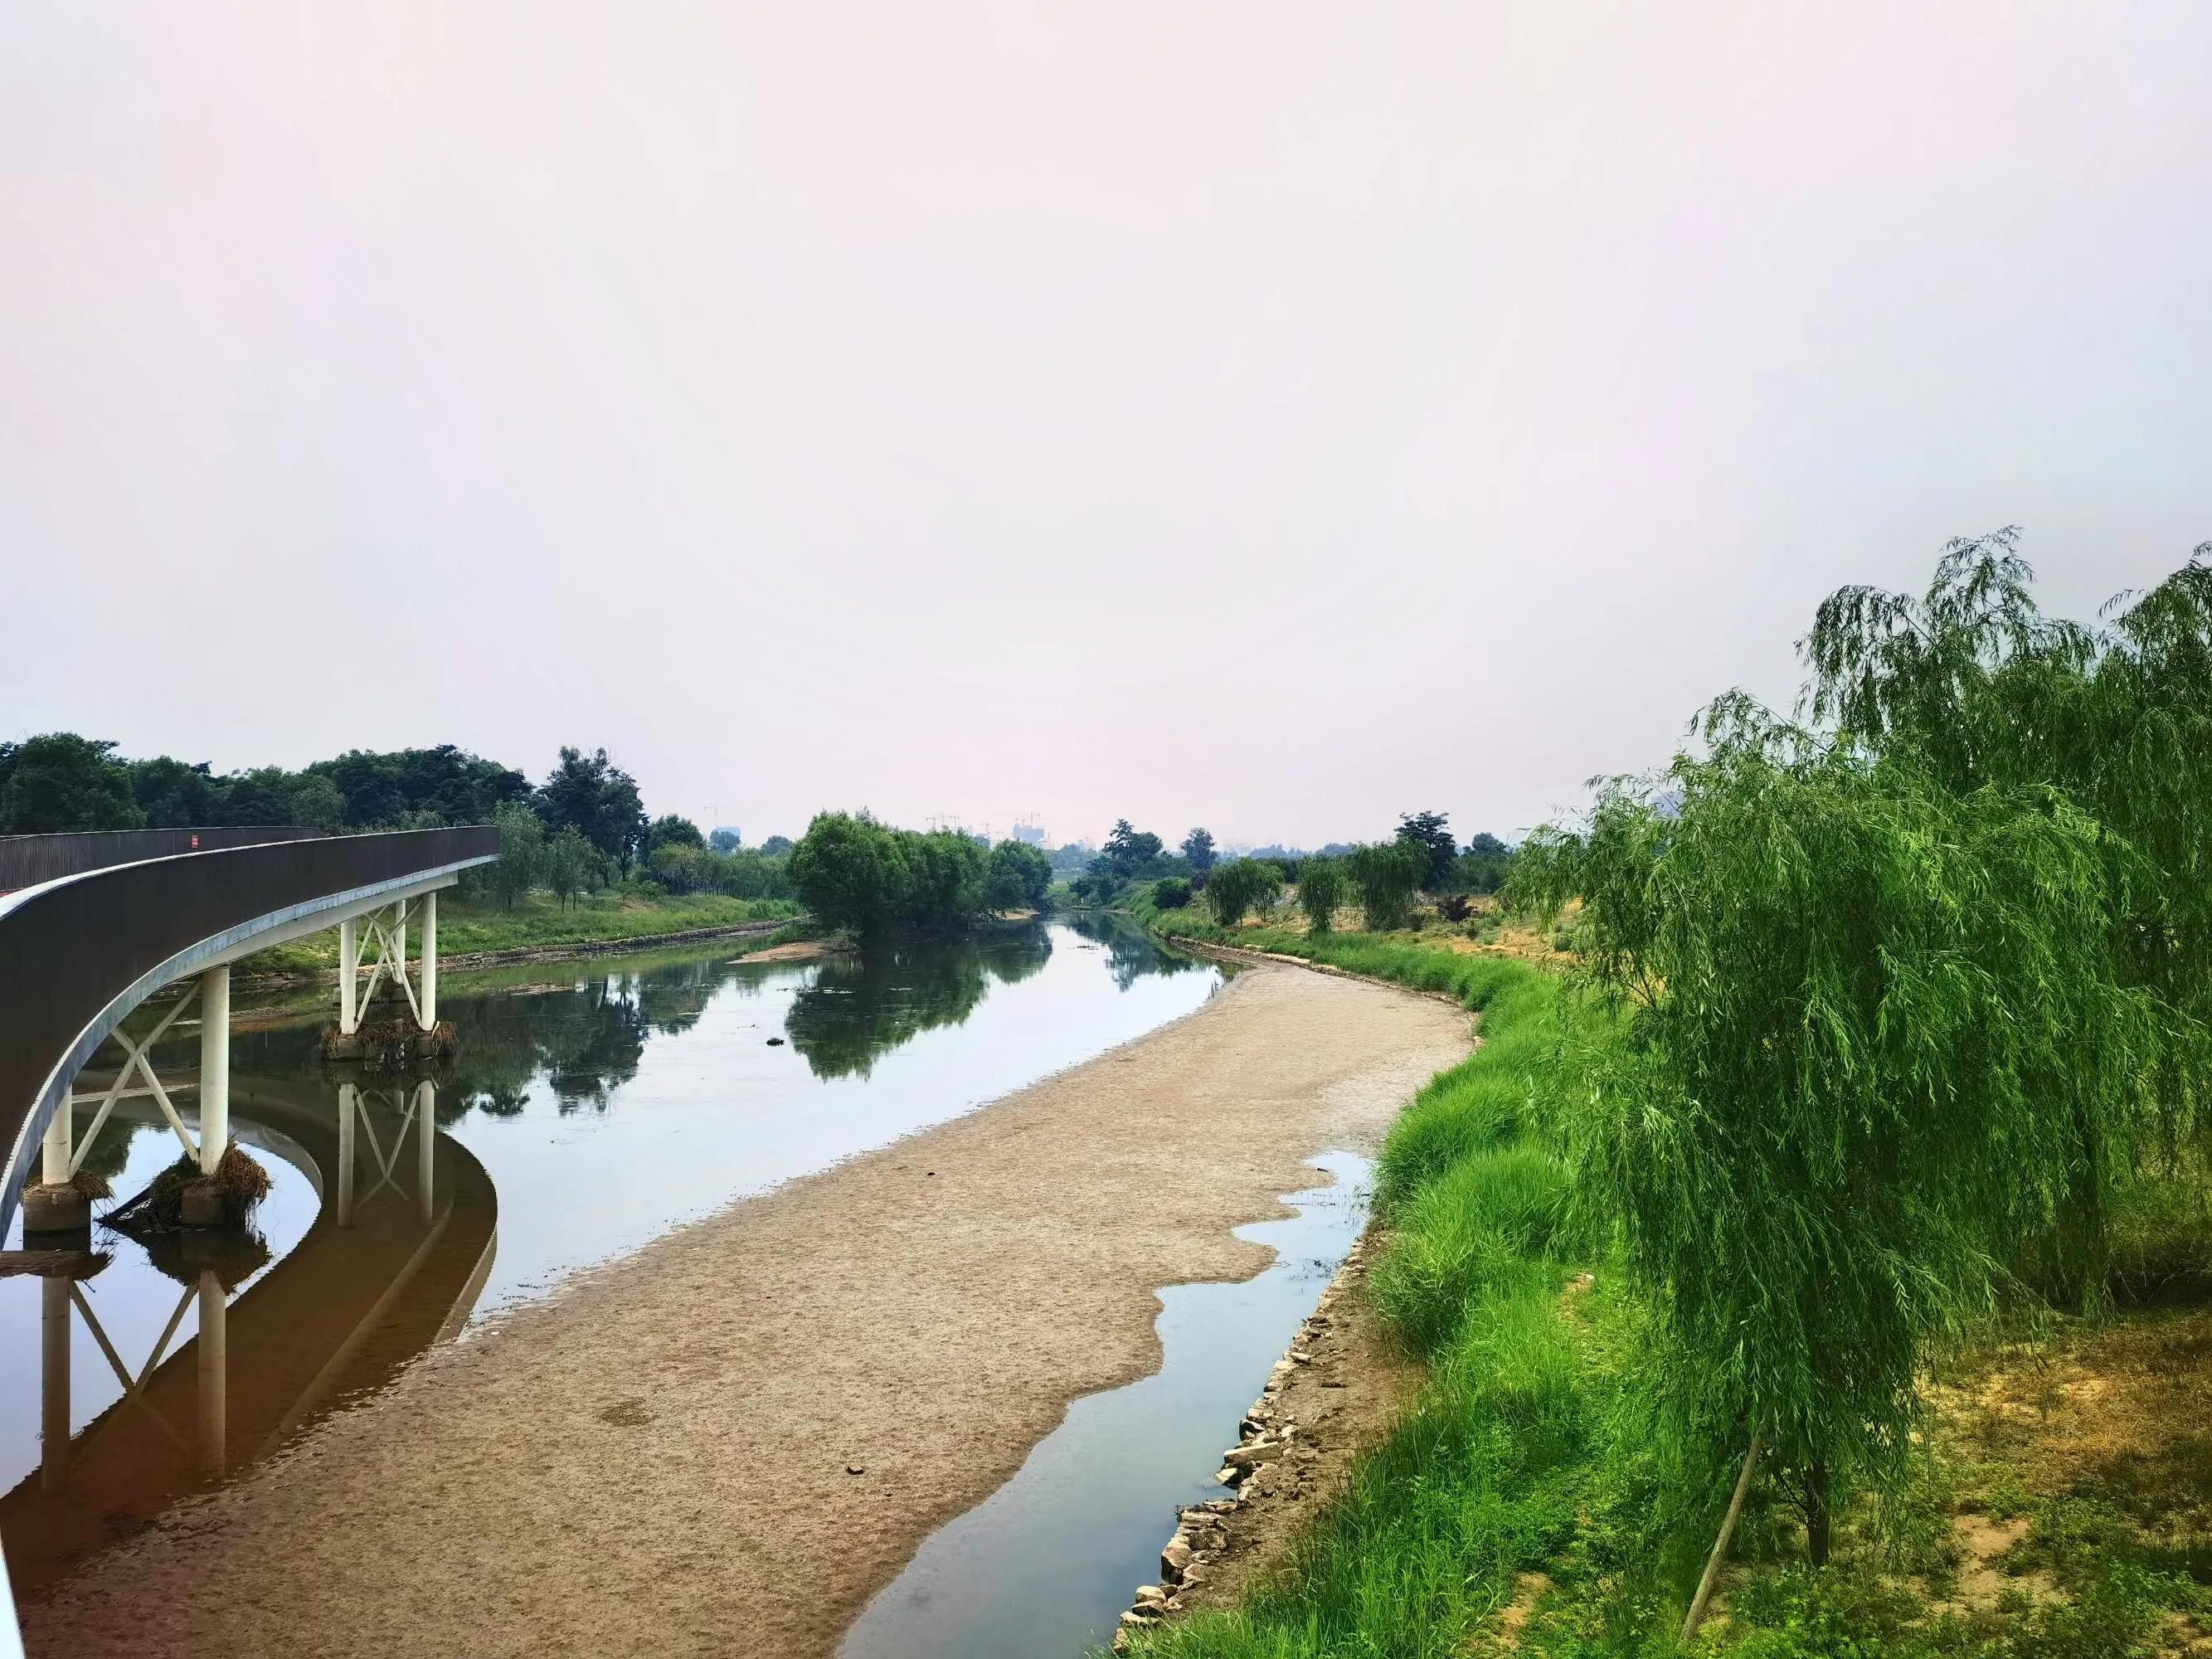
x=392 y=1264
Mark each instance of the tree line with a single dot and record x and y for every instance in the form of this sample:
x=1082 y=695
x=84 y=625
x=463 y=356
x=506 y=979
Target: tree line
x=584 y=823
x=1422 y=857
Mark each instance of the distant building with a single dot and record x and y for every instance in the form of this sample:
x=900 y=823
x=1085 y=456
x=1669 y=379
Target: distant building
x=1031 y=833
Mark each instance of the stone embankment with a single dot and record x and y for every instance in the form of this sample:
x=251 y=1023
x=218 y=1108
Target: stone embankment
x=1334 y=1392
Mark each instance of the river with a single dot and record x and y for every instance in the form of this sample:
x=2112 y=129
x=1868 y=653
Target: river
x=592 y=1106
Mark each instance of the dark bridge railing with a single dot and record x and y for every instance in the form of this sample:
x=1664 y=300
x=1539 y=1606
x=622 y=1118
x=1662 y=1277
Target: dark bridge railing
x=67 y=953
x=26 y=860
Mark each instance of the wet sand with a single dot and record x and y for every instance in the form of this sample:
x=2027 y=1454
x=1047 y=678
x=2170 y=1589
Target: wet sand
x=727 y=1443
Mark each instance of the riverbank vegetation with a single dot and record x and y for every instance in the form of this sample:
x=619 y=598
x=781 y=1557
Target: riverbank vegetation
x=851 y=871
x=1855 y=1173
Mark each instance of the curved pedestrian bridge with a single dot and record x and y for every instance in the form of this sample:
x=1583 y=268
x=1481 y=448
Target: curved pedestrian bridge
x=91 y=928
x=126 y=915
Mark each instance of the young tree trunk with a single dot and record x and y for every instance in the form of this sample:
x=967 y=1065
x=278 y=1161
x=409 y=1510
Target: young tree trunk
x=1712 y=1575
x=1816 y=1512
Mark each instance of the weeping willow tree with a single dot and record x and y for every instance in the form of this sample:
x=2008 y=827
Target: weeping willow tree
x=1864 y=1016
x=1973 y=682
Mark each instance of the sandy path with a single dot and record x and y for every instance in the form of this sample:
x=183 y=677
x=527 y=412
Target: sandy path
x=655 y=1461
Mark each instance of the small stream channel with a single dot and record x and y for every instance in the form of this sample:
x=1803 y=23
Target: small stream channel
x=1044 y=1567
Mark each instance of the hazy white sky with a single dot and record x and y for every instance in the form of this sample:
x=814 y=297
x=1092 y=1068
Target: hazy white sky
x=1272 y=416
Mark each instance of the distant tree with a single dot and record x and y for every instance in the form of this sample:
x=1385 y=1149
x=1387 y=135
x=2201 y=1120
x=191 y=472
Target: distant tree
x=1236 y=887
x=599 y=800
x=1170 y=893
x=727 y=841
x=1073 y=859
x=172 y=795
x=1198 y=851
x=1019 y=875
x=262 y=795
x=673 y=831
x=1386 y=877
x=1320 y=890
x=748 y=873
x=1128 y=851
x=1483 y=867
x=61 y=781
x=571 y=864
x=521 y=864
x=683 y=866
x=1430 y=833
x=946 y=877
x=850 y=872
x=316 y=804
x=776 y=847
x=384 y=789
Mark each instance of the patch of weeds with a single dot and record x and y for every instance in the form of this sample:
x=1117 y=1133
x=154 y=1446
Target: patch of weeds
x=2096 y=1548
x=1845 y=1611
x=2006 y=1500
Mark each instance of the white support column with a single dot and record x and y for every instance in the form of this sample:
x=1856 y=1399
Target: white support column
x=349 y=971
x=214 y=1067
x=347 y=1108
x=214 y=1371
x=54 y=1153
x=426 y=1131
x=399 y=943
x=427 y=1012
x=54 y=1384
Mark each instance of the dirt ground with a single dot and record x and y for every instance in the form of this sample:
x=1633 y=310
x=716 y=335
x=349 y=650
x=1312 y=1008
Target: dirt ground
x=727 y=1443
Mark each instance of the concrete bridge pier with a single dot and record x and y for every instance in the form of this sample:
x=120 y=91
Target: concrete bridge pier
x=57 y=1204
x=412 y=1034
x=203 y=1204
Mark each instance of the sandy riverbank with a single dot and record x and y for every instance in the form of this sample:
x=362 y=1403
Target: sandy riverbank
x=659 y=1460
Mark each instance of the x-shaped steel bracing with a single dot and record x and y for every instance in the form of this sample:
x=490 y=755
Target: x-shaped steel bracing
x=135 y=1060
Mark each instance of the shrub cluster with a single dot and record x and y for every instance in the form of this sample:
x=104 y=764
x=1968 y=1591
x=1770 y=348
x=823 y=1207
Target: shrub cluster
x=851 y=871
x=1234 y=889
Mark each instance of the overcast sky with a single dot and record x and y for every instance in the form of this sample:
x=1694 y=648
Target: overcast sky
x=1271 y=416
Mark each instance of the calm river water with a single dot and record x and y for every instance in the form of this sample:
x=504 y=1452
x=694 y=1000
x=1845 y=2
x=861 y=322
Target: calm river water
x=592 y=1108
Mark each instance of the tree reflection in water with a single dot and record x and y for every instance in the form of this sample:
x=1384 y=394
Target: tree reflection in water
x=1130 y=954
x=584 y=1038
x=860 y=1008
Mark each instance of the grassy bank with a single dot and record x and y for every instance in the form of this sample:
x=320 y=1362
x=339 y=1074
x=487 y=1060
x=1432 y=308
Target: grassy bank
x=467 y=926
x=1486 y=1474
x=1532 y=1501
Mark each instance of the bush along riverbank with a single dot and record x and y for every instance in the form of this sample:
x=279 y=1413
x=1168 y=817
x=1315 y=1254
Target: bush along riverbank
x=1542 y=1494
